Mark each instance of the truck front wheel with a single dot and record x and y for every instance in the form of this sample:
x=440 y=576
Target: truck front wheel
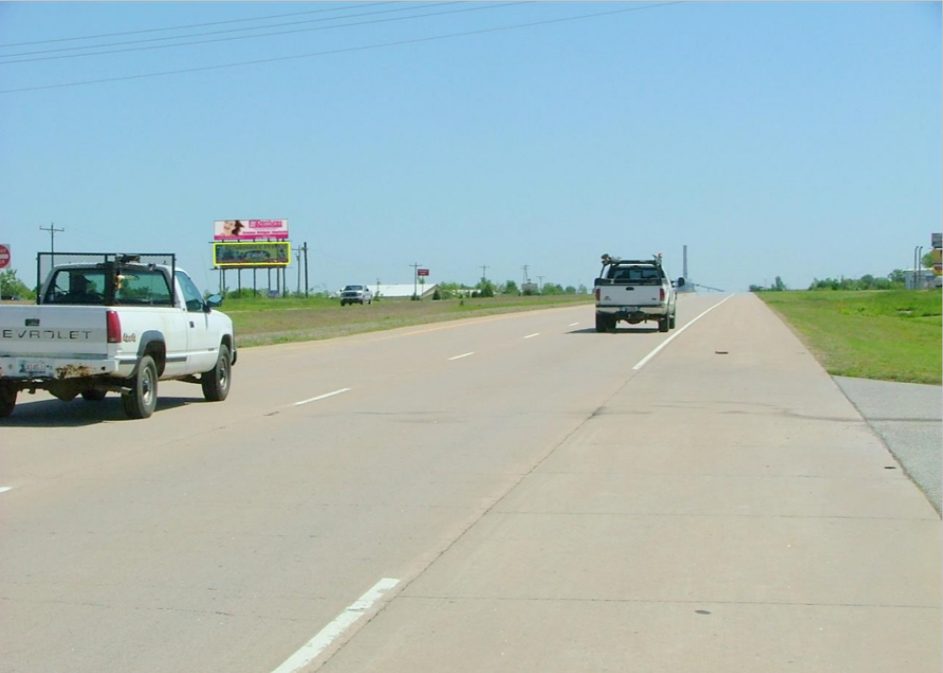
x=215 y=382
x=141 y=400
x=7 y=400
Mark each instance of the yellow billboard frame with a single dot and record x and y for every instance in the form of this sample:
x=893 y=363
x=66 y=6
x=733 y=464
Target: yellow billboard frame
x=227 y=254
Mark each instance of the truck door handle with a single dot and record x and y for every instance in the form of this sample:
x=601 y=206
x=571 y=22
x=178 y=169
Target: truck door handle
x=191 y=324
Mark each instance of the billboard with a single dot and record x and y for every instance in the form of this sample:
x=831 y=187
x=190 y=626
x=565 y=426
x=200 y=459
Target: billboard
x=249 y=230
x=251 y=254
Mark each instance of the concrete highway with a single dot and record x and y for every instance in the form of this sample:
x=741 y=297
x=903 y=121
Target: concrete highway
x=513 y=493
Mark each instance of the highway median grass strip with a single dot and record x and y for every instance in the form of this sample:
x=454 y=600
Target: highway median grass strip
x=271 y=321
x=890 y=335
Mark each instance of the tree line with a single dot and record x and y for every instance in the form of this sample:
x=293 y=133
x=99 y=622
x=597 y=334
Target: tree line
x=895 y=280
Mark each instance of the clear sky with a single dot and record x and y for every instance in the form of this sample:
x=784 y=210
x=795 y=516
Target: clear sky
x=800 y=140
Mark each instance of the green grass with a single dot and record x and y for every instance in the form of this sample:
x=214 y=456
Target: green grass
x=264 y=321
x=890 y=335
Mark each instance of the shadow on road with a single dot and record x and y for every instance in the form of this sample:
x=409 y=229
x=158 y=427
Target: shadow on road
x=618 y=330
x=52 y=413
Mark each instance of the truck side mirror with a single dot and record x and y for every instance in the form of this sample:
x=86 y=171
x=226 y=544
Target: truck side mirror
x=680 y=282
x=213 y=301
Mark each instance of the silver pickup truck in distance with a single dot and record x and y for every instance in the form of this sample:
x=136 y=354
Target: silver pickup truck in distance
x=356 y=294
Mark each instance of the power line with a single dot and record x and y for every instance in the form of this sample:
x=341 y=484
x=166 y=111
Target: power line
x=185 y=27
x=382 y=45
x=238 y=37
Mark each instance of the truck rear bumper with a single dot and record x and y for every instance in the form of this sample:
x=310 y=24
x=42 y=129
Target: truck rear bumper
x=25 y=370
x=636 y=313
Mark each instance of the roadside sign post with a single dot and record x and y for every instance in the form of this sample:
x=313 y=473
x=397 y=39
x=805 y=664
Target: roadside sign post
x=5 y=257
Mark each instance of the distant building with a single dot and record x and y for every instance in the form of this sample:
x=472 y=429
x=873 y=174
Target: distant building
x=922 y=279
x=403 y=290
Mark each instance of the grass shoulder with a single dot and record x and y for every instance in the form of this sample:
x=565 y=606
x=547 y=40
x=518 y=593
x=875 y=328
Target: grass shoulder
x=887 y=335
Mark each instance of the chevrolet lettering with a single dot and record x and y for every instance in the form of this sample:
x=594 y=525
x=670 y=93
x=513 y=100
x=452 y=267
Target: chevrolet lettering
x=46 y=334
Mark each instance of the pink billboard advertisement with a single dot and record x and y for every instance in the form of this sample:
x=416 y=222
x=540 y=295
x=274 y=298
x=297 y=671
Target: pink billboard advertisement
x=250 y=230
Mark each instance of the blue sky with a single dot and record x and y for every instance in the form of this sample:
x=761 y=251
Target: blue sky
x=800 y=140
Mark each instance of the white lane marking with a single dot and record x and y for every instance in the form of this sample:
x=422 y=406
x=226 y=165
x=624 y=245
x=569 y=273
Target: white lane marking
x=531 y=336
x=573 y=324
x=4 y=489
x=321 y=397
x=310 y=650
x=667 y=341
x=463 y=355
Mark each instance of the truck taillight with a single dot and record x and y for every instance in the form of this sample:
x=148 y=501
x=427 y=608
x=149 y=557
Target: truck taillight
x=114 y=327
x=597 y=294
x=661 y=294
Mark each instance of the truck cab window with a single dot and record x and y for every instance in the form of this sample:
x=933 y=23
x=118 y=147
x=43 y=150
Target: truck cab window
x=191 y=294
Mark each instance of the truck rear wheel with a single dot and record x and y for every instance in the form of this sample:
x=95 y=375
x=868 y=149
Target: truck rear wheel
x=663 y=324
x=216 y=381
x=7 y=400
x=601 y=323
x=141 y=400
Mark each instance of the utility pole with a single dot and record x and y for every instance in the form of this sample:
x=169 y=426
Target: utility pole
x=52 y=239
x=540 y=282
x=525 y=267
x=484 y=271
x=415 y=278
x=298 y=260
x=305 y=248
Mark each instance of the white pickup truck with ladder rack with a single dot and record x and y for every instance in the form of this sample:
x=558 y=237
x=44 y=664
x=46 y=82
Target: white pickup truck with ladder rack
x=107 y=322
x=635 y=291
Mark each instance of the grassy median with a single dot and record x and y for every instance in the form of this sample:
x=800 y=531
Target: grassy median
x=889 y=335
x=262 y=321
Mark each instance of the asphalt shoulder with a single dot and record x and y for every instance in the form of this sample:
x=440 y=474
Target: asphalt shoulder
x=909 y=419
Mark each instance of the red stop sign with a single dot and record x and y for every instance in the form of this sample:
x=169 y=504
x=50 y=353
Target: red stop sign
x=4 y=256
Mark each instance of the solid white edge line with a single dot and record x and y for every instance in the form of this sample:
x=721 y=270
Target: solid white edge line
x=321 y=397
x=463 y=355
x=531 y=336
x=310 y=650
x=667 y=341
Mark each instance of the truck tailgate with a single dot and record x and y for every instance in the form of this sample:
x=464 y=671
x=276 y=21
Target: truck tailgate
x=54 y=331
x=622 y=295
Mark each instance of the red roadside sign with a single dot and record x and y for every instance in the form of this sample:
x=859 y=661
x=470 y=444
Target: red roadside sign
x=422 y=272
x=4 y=256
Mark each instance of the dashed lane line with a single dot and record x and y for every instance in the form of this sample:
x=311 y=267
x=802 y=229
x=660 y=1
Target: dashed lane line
x=321 y=397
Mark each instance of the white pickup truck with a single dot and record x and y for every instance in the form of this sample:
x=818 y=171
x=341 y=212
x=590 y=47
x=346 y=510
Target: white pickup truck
x=104 y=323
x=635 y=291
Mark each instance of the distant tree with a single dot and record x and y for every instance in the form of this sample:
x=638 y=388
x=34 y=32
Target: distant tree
x=485 y=288
x=760 y=288
x=11 y=286
x=551 y=289
x=582 y=289
x=510 y=287
x=570 y=289
x=779 y=285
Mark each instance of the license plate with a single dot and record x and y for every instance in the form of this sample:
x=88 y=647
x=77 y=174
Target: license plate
x=32 y=367
x=630 y=309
